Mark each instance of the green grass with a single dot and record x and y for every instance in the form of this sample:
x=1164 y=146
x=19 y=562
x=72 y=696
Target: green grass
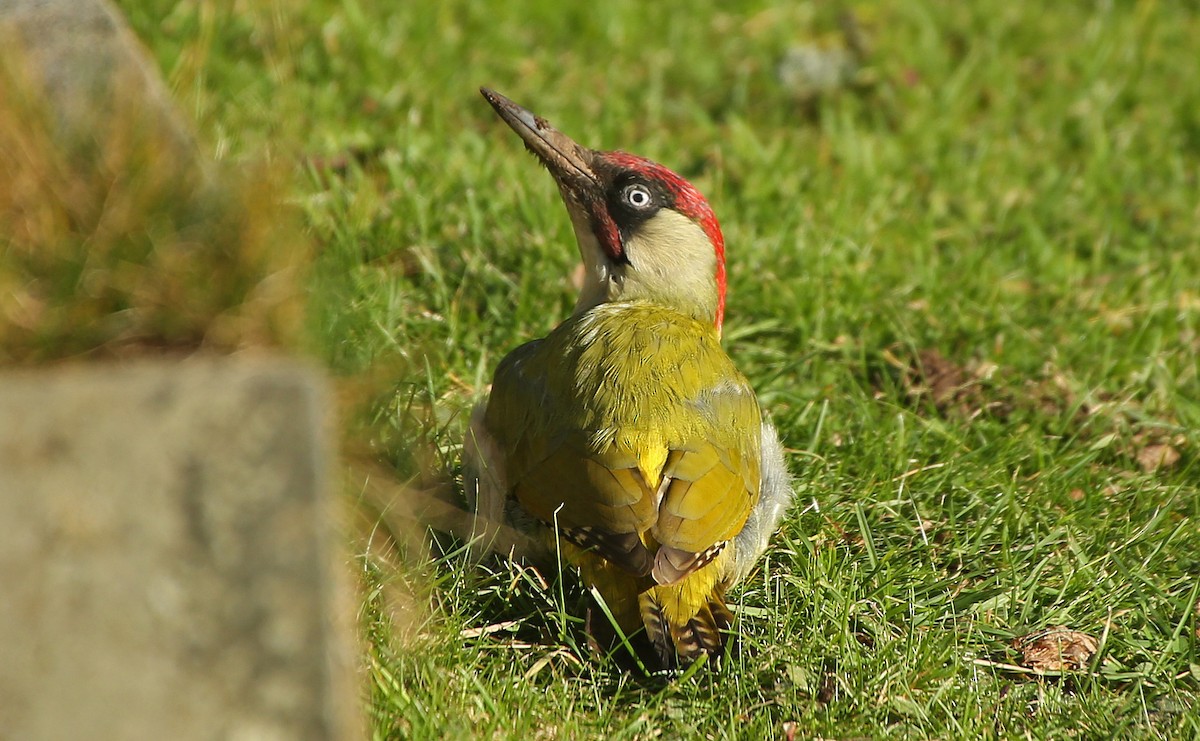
x=1012 y=184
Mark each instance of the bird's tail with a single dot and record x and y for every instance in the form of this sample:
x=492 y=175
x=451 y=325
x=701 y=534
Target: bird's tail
x=684 y=641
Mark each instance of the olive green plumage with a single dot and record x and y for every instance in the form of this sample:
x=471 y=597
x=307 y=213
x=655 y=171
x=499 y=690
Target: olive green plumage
x=629 y=430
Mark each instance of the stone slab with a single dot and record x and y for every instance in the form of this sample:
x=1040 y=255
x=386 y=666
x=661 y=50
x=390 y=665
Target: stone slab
x=167 y=555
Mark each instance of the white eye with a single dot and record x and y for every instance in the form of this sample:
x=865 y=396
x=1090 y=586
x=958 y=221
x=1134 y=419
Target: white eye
x=637 y=196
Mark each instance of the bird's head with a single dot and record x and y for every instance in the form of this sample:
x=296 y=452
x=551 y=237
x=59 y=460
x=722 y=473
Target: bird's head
x=644 y=232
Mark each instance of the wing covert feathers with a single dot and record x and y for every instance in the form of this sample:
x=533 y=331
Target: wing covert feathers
x=672 y=564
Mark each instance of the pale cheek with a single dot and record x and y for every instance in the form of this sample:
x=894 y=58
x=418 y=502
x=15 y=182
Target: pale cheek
x=670 y=248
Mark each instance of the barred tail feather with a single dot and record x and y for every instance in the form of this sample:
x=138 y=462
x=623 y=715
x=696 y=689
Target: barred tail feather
x=700 y=635
x=722 y=616
x=657 y=630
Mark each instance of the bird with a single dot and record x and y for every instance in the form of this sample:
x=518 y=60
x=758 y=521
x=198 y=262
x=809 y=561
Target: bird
x=627 y=437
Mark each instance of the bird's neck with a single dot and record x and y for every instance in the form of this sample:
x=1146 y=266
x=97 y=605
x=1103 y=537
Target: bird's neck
x=671 y=263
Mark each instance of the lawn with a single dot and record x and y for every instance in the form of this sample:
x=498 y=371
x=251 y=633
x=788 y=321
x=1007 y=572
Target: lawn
x=964 y=280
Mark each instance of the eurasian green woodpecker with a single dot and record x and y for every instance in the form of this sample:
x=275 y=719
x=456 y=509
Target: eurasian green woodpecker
x=627 y=433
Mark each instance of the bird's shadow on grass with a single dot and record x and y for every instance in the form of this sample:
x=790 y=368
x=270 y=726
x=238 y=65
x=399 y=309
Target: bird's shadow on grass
x=542 y=608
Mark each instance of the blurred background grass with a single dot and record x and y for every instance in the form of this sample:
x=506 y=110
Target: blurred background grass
x=964 y=245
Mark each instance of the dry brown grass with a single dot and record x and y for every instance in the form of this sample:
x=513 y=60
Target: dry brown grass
x=117 y=239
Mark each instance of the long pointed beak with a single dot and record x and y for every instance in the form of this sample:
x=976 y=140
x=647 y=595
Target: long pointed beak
x=569 y=163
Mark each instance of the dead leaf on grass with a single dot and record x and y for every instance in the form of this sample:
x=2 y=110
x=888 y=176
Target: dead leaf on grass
x=1157 y=456
x=951 y=388
x=943 y=379
x=1056 y=649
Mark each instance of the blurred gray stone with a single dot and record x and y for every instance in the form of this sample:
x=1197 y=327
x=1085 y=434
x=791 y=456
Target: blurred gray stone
x=167 y=557
x=809 y=71
x=94 y=73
